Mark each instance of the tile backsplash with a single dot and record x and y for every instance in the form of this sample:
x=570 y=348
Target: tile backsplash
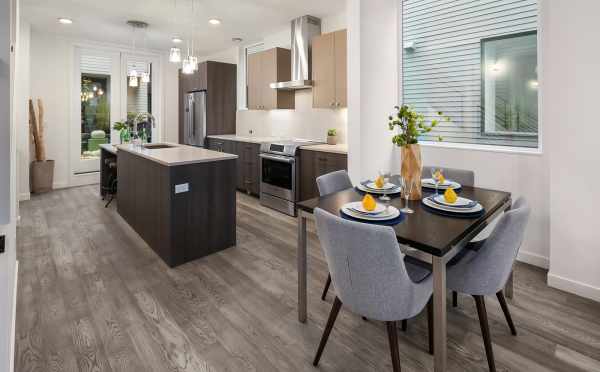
x=302 y=122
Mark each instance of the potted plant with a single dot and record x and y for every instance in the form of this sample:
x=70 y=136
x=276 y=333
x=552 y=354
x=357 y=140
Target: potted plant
x=122 y=127
x=411 y=125
x=331 y=137
x=41 y=171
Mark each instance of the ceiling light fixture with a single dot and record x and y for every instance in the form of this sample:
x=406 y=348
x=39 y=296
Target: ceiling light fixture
x=65 y=21
x=236 y=39
x=133 y=81
x=175 y=55
x=145 y=77
x=214 y=21
x=177 y=40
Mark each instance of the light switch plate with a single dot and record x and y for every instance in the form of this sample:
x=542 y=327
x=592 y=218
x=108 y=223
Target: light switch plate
x=183 y=187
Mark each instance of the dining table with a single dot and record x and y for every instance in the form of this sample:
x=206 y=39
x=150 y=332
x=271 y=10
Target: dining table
x=435 y=239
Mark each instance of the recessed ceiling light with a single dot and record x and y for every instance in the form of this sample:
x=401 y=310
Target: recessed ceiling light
x=214 y=21
x=177 y=40
x=65 y=21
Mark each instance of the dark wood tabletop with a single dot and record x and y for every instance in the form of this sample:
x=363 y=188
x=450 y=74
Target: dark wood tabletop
x=423 y=230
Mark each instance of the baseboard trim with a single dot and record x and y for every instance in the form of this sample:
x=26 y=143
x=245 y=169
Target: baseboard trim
x=24 y=196
x=573 y=286
x=534 y=259
x=14 y=320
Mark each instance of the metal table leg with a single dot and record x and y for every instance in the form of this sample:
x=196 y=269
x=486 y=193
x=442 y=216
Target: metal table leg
x=439 y=314
x=302 y=296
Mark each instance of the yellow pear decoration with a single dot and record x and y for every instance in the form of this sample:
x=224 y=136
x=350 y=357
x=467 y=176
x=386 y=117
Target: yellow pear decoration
x=450 y=196
x=379 y=182
x=369 y=203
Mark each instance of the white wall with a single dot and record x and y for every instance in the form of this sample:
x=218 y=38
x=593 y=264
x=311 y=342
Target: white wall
x=51 y=79
x=8 y=200
x=572 y=77
x=372 y=85
x=22 y=94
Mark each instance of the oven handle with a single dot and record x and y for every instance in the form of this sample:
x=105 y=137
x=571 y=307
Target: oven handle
x=283 y=159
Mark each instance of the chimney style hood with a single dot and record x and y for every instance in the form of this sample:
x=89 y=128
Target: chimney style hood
x=303 y=30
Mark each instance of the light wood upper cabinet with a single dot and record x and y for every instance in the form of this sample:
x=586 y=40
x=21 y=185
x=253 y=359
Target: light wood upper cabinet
x=329 y=69
x=264 y=68
x=254 y=80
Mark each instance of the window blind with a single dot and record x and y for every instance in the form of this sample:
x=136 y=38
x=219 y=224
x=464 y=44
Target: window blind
x=442 y=62
x=95 y=64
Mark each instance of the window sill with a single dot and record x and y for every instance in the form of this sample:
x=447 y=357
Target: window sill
x=488 y=148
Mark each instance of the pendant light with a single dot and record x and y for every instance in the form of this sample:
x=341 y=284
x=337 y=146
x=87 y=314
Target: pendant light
x=175 y=55
x=133 y=73
x=145 y=77
x=133 y=81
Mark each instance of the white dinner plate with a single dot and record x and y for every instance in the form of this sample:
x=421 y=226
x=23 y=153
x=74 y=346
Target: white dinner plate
x=387 y=186
x=357 y=206
x=430 y=184
x=460 y=201
x=363 y=188
x=431 y=204
x=389 y=214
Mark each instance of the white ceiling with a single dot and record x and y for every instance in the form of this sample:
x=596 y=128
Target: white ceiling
x=104 y=20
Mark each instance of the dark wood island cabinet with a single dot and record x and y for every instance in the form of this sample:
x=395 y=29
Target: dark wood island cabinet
x=181 y=200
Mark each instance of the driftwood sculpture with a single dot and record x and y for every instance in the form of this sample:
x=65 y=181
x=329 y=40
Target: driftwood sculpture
x=42 y=170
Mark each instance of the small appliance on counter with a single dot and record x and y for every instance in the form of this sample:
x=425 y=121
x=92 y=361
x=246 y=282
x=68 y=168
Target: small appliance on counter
x=279 y=174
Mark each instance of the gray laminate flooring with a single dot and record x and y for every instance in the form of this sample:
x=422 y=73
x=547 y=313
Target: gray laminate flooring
x=93 y=297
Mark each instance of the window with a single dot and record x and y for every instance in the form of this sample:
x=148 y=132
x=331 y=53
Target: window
x=95 y=114
x=477 y=63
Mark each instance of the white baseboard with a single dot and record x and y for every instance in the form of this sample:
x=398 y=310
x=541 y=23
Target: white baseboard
x=24 y=196
x=14 y=320
x=573 y=286
x=534 y=259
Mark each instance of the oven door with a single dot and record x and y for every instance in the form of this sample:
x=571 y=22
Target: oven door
x=278 y=176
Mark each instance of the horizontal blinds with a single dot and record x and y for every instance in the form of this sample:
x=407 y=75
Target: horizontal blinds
x=442 y=72
x=95 y=64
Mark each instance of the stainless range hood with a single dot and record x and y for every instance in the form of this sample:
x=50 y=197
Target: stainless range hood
x=303 y=30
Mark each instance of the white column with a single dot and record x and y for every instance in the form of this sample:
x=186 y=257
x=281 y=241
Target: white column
x=373 y=85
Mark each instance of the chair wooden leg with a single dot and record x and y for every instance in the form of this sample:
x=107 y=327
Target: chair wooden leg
x=454 y=299
x=430 y=324
x=404 y=325
x=326 y=289
x=506 y=312
x=393 y=339
x=335 y=309
x=485 y=331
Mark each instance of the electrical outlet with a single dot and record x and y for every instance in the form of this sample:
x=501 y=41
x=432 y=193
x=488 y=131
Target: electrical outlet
x=2 y=243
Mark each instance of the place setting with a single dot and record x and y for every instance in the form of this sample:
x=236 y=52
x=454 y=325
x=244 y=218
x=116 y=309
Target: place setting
x=451 y=205
x=369 y=210
x=439 y=182
x=380 y=186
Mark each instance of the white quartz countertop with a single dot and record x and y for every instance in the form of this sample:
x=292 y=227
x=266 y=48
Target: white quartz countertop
x=235 y=137
x=109 y=147
x=336 y=149
x=177 y=155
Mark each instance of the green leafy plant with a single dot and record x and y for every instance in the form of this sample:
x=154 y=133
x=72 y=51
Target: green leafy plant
x=412 y=125
x=332 y=132
x=120 y=125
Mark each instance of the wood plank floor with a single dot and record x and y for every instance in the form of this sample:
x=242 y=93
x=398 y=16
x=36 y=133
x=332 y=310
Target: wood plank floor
x=93 y=296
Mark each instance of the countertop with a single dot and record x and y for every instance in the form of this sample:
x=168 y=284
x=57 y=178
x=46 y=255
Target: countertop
x=336 y=149
x=177 y=155
x=109 y=147
x=235 y=137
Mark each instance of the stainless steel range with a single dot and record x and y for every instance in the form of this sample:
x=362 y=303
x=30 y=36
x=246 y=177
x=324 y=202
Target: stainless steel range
x=279 y=174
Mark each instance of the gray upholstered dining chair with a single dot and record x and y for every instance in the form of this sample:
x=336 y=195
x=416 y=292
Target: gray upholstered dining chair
x=370 y=277
x=328 y=184
x=485 y=272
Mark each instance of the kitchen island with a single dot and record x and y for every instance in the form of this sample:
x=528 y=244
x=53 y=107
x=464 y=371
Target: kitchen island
x=180 y=199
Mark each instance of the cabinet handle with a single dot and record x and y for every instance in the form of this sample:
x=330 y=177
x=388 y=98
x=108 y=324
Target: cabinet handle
x=338 y=104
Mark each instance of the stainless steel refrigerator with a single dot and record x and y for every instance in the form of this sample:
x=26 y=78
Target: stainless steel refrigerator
x=194 y=124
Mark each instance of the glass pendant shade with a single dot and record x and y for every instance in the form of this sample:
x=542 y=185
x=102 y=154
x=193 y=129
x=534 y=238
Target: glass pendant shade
x=175 y=55
x=187 y=67
x=133 y=73
x=145 y=77
x=194 y=62
x=133 y=81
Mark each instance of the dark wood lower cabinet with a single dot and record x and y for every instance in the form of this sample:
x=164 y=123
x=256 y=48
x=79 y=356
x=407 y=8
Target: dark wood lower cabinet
x=185 y=226
x=248 y=172
x=314 y=164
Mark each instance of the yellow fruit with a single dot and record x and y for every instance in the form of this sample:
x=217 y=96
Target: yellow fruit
x=369 y=202
x=450 y=196
x=379 y=182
